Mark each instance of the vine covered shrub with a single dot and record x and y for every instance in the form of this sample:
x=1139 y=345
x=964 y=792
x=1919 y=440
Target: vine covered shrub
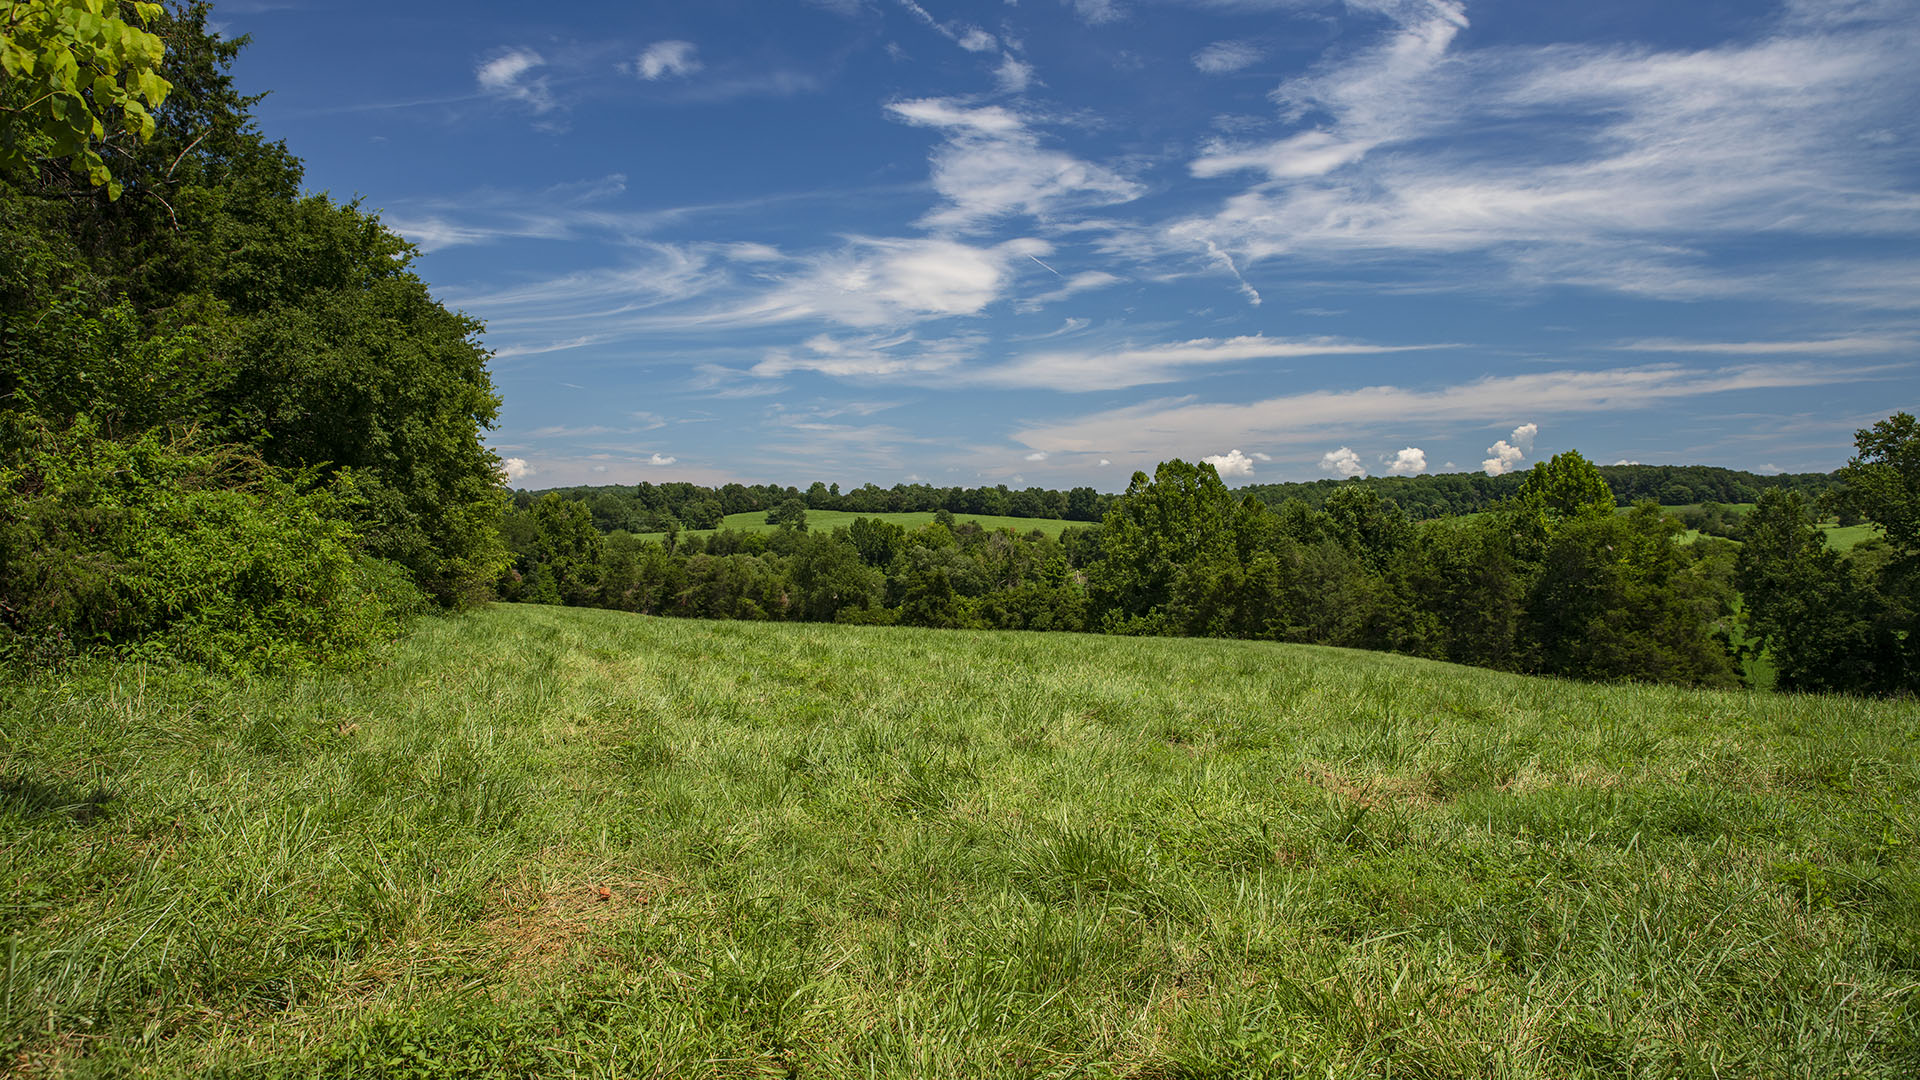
x=160 y=546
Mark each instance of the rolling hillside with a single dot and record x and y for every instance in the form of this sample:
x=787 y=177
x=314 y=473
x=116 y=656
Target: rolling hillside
x=828 y=520
x=544 y=841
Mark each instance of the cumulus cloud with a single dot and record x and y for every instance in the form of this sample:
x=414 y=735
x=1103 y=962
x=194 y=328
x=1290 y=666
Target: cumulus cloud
x=1411 y=461
x=510 y=76
x=1037 y=455
x=1510 y=451
x=661 y=459
x=992 y=165
x=1506 y=457
x=1344 y=462
x=1104 y=461
x=668 y=59
x=516 y=468
x=1223 y=57
x=1231 y=463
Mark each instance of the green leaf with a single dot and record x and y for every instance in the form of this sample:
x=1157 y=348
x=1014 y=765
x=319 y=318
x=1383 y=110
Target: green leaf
x=17 y=61
x=153 y=88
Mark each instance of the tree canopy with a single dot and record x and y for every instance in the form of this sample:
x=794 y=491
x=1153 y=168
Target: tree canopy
x=215 y=308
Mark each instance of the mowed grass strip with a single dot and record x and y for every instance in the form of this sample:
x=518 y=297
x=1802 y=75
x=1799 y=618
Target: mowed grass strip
x=562 y=842
x=828 y=520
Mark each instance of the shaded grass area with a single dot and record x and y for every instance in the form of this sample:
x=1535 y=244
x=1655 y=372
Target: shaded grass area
x=828 y=520
x=851 y=851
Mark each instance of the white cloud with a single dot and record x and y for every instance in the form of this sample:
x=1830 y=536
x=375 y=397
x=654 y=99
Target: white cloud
x=992 y=165
x=661 y=459
x=1344 y=462
x=871 y=355
x=1854 y=345
x=1640 y=161
x=878 y=282
x=516 y=468
x=1104 y=461
x=1114 y=369
x=664 y=59
x=975 y=39
x=1037 y=455
x=1223 y=57
x=1505 y=458
x=1085 y=281
x=507 y=76
x=1014 y=75
x=1510 y=451
x=1231 y=463
x=1166 y=427
x=1094 y=11
x=1411 y=461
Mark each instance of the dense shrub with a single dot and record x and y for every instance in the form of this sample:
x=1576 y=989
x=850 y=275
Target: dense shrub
x=158 y=546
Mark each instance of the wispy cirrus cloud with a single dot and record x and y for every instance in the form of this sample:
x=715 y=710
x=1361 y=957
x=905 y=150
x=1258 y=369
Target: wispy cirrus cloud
x=993 y=165
x=1226 y=57
x=667 y=60
x=1177 y=426
x=512 y=75
x=1128 y=366
x=1857 y=345
x=866 y=282
x=1636 y=161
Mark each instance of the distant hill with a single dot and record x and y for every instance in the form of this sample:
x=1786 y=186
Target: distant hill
x=645 y=508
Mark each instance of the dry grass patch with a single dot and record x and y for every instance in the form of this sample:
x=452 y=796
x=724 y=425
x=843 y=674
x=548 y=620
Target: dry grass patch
x=541 y=915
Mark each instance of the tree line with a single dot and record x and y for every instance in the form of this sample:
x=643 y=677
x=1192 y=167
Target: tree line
x=651 y=508
x=1452 y=494
x=647 y=507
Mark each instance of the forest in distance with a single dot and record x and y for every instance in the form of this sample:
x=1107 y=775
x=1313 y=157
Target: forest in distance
x=647 y=507
x=1539 y=573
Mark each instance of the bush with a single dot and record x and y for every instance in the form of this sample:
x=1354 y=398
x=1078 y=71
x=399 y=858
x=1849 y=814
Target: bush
x=162 y=547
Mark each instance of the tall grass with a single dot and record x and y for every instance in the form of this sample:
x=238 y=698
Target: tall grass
x=844 y=851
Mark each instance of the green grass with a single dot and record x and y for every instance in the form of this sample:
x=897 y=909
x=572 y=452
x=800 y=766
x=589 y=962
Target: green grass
x=828 y=520
x=1846 y=537
x=849 y=851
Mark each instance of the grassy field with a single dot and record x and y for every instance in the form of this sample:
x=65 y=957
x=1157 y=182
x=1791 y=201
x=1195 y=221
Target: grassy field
x=566 y=842
x=828 y=520
x=1839 y=537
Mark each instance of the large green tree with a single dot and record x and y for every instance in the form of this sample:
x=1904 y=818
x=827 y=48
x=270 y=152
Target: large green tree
x=215 y=296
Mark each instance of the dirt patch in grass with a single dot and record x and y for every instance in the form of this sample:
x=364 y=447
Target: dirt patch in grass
x=1372 y=792
x=538 y=916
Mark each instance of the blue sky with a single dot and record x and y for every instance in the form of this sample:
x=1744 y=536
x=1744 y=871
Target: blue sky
x=1054 y=241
